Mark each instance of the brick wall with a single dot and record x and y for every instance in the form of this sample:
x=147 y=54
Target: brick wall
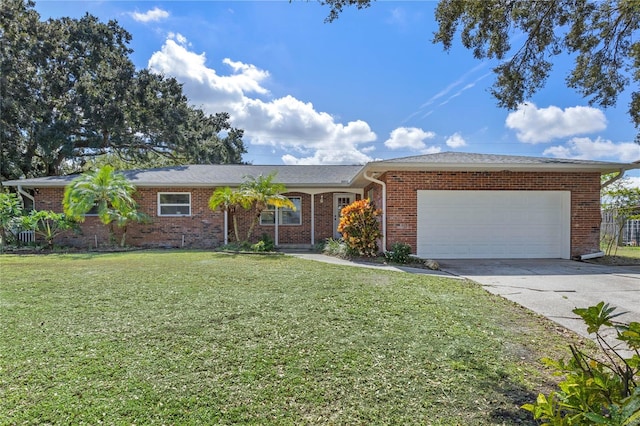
x=402 y=190
x=203 y=229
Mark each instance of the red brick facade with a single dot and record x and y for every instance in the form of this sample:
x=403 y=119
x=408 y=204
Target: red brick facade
x=205 y=228
x=402 y=190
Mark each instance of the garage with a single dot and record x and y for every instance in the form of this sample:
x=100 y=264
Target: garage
x=493 y=224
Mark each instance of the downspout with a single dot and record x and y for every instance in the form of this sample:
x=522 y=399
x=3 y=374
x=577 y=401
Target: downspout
x=619 y=176
x=384 y=208
x=22 y=192
x=613 y=179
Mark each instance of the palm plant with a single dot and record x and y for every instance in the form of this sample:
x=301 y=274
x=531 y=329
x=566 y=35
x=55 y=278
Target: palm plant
x=123 y=217
x=110 y=193
x=48 y=224
x=229 y=200
x=262 y=192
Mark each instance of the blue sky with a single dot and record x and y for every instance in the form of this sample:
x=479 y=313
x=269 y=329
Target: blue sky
x=369 y=86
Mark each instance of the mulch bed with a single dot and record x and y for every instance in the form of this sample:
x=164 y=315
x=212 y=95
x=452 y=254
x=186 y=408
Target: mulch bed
x=615 y=261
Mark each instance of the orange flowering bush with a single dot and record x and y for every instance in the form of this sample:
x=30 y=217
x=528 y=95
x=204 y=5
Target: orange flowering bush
x=359 y=227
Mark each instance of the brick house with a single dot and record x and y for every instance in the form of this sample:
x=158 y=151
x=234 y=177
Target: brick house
x=445 y=205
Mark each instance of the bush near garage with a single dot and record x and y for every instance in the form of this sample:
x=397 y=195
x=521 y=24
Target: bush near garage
x=359 y=227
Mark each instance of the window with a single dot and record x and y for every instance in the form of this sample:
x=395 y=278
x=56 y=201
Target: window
x=174 y=204
x=286 y=216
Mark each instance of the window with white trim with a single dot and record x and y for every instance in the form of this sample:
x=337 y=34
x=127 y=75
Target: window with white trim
x=286 y=216
x=174 y=204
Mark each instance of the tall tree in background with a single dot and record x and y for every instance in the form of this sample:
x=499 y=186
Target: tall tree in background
x=601 y=34
x=20 y=82
x=70 y=93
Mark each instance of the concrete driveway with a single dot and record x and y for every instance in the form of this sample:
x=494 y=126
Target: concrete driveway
x=554 y=287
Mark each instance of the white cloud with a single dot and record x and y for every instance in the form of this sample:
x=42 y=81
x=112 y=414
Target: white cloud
x=538 y=125
x=203 y=85
x=286 y=123
x=408 y=138
x=598 y=149
x=153 y=15
x=456 y=141
x=179 y=38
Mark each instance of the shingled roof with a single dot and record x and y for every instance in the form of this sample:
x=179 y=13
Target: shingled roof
x=218 y=175
x=334 y=176
x=469 y=161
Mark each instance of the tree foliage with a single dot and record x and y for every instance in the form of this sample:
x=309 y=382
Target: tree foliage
x=255 y=193
x=48 y=224
x=261 y=192
x=600 y=390
x=228 y=200
x=70 y=92
x=10 y=209
x=602 y=36
x=109 y=193
x=620 y=203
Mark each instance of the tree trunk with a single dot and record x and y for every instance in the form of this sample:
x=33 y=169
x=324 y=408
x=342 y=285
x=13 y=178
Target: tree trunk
x=235 y=228
x=254 y=222
x=124 y=236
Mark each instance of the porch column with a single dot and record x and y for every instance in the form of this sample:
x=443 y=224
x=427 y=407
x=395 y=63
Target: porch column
x=313 y=220
x=276 y=228
x=226 y=227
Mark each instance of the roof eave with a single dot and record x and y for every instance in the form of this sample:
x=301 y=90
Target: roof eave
x=62 y=184
x=457 y=167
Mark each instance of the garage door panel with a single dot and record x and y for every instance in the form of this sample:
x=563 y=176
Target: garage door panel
x=499 y=224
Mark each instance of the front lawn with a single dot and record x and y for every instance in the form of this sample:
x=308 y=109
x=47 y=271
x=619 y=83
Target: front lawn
x=183 y=337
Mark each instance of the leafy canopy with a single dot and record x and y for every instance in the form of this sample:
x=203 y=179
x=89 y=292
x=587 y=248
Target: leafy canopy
x=108 y=192
x=601 y=34
x=69 y=93
x=103 y=189
x=255 y=193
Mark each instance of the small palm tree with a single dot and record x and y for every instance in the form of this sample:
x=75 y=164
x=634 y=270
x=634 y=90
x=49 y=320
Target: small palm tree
x=262 y=192
x=107 y=191
x=229 y=200
x=123 y=218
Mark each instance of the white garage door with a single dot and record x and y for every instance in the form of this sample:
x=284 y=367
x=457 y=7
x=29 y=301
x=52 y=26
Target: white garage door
x=493 y=224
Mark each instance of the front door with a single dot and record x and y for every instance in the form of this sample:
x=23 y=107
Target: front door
x=339 y=202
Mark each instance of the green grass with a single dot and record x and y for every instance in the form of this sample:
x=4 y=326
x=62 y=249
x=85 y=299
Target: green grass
x=632 y=252
x=185 y=337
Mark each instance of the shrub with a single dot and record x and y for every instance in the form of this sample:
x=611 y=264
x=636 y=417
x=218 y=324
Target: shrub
x=399 y=253
x=336 y=248
x=10 y=211
x=266 y=243
x=600 y=390
x=48 y=224
x=359 y=227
